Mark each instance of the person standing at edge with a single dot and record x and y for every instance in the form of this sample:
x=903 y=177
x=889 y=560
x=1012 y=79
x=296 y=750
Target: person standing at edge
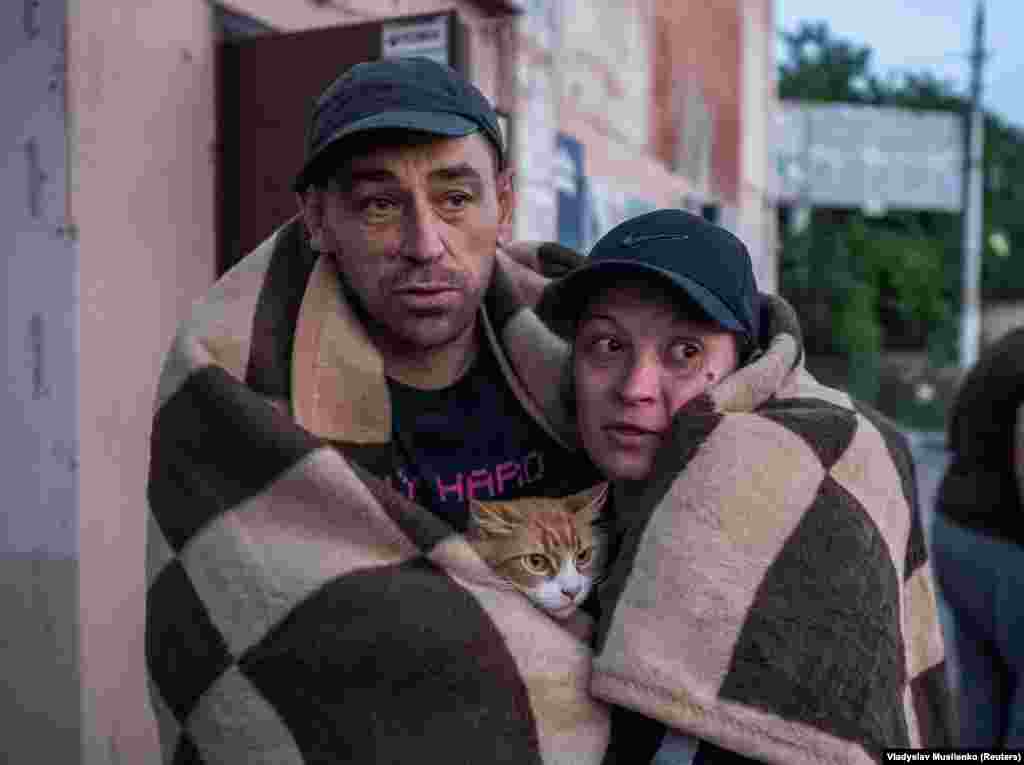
x=979 y=548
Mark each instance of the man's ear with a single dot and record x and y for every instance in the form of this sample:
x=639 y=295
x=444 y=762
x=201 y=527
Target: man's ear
x=311 y=208
x=506 y=188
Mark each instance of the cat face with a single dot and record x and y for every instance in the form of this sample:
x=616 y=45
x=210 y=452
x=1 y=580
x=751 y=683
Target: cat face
x=550 y=549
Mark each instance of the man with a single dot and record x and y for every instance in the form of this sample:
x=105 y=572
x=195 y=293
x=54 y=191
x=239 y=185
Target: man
x=406 y=187
x=323 y=419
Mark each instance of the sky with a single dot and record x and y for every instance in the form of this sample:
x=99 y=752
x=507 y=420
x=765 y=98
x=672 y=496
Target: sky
x=933 y=35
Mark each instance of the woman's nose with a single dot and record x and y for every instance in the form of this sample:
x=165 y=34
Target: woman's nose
x=640 y=380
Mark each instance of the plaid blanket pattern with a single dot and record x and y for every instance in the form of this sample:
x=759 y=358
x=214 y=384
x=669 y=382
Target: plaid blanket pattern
x=773 y=593
x=298 y=609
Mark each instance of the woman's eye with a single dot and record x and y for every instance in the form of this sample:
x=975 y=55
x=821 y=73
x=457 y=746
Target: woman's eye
x=583 y=558
x=605 y=346
x=686 y=354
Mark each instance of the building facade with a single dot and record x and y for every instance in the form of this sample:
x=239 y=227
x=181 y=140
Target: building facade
x=127 y=153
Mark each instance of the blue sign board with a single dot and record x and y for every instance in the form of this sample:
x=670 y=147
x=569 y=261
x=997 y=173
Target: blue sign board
x=569 y=180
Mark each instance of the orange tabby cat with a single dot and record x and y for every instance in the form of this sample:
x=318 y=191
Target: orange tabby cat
x=551 y=549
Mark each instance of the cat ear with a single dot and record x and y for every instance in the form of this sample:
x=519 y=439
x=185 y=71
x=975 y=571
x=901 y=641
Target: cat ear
x=589 y=500
x=493 y=519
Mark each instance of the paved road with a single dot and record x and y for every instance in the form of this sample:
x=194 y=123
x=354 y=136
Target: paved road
x=930 y=459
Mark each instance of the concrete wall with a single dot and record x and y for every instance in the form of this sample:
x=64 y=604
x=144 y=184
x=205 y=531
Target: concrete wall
x=713 y=84
x=606 y=95
x=535 y=126
x=699 y=76
x=40 y=709
x=142 y=104
x=756 y=219
x=603 y=68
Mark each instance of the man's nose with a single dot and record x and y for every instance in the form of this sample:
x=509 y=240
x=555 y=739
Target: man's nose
x=640 y=380
x=423 y=238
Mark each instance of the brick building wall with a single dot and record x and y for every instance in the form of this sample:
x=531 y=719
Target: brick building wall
x=756 y=221
x=669 y=101
x=696 y=99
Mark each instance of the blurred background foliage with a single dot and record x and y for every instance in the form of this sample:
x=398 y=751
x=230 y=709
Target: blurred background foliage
x=873 y=288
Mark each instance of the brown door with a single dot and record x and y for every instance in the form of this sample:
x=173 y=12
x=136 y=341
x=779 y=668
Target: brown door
x=267 y=85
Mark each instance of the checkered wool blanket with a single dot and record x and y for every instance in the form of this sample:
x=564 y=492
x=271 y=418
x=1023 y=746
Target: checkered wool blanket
x=772 y=594
x=298 y=609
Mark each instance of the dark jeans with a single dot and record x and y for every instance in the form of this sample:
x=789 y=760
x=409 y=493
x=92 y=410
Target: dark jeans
x=982 y=580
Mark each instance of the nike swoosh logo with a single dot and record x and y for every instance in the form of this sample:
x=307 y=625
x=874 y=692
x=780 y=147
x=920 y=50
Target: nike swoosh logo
x=633 y=241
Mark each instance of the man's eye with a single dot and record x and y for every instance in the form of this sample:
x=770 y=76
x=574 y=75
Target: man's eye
x=456 y=201
x=379 y=207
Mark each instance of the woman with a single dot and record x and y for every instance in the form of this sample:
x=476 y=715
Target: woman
x=653 y=329
x=771 y=593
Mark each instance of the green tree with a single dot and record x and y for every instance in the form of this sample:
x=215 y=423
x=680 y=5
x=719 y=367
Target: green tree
x=820 y=67
x=1003 y=266
x=892 y=281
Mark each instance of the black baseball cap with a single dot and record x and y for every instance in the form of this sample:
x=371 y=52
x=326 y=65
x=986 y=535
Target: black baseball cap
x=708 y=265
x=396 y=93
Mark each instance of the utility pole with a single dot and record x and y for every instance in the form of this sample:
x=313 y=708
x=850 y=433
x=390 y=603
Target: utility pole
x=973 y=202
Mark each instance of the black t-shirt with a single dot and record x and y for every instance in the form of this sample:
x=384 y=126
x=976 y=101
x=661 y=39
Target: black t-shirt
x=475 y=440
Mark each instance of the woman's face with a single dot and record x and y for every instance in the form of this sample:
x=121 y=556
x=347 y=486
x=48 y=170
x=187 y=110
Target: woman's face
x=637 y=359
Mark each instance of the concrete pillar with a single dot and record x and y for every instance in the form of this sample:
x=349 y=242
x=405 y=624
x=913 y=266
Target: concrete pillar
x=39 y=556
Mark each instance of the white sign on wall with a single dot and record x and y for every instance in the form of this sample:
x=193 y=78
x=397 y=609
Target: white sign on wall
x=427 y=38
x=850 y=155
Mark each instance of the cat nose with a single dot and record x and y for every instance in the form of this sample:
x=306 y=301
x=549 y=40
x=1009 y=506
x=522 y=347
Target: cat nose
x=571 y=591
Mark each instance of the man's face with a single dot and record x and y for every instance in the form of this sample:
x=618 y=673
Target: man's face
x=636 y=360
x=414 y=230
